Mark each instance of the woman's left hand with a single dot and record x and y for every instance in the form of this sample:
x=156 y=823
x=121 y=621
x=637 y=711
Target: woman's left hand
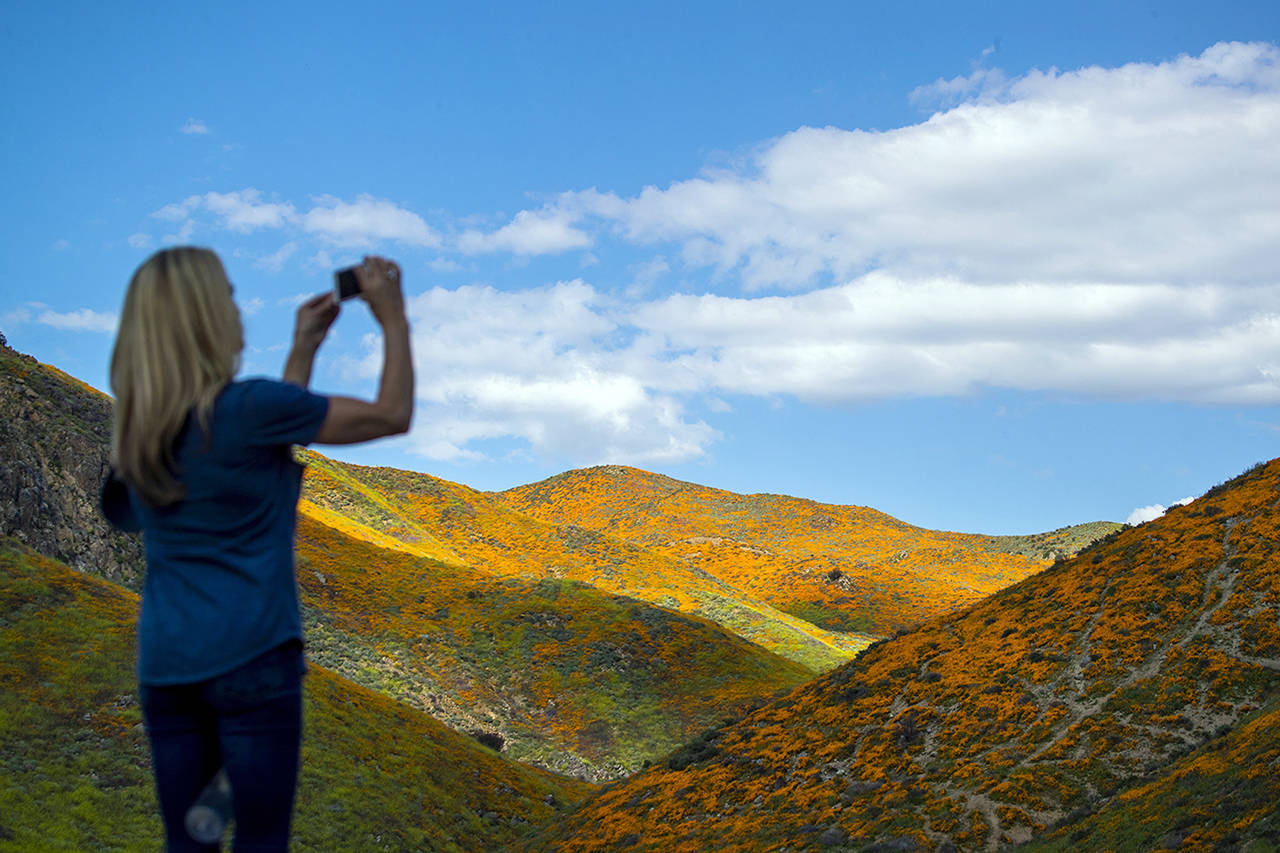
x=315 y=316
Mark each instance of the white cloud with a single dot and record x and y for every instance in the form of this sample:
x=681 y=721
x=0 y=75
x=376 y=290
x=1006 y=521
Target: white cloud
x=82 y=320
x=252 y=306
x=182 y=235
x=1143 y=514
x=957 y=89
x=539 y=366
x=547 y=231
x=366 y=221
x=178 y=211
x=321 y=260
x=276 y=260
x=61 y=245
x=444 y=265
x=245 y=211
x=1102 y=232
x=15 y=317
x=194 y=126
x=881 y=336
x=587 y=376
x=139 y=240
x=362 y=223
x=1144 y=173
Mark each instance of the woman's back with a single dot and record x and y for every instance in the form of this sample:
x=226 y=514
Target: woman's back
x=220 y=587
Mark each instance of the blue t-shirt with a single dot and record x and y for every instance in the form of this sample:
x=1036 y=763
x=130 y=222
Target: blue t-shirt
x=220 y=587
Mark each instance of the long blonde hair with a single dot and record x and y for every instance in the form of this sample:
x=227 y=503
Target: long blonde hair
x=178 y=346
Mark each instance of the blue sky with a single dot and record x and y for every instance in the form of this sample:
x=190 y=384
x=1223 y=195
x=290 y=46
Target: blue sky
x=994 y=267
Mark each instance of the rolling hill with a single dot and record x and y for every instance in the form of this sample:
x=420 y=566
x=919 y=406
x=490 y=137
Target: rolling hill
x=1126 y=697
x=74 y=763
x=559 y=673
x=846 y=568
x=459 y=524
x=1104 y=701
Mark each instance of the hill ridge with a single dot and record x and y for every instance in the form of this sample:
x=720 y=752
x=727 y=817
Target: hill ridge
x=841 y=567
x=989 y=726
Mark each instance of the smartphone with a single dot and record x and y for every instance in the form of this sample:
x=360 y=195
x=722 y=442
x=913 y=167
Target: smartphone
x=345 y=284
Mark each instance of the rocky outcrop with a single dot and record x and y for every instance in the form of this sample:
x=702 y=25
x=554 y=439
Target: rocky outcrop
x=55 y=439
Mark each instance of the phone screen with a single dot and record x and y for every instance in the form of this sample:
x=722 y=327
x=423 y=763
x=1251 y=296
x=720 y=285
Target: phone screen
x=345 y=284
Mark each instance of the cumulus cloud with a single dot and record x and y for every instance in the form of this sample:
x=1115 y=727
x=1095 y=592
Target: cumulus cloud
x=139 y=240
x=79 y=320
x=366 y=221
x=1143 y=514
x=241 y=211
x=15 y=317
x=276 y=260
x=245 y=210
x=1143 y=173
x=881 y=336
x=588 y=376
x=547 y=367
x=82 y=320
x=194 y=126
x=1102 y=232
x=360 y=223
x=541 y=232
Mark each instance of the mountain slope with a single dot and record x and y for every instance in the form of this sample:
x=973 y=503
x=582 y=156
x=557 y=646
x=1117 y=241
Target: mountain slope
x=55 y=439
x=986 y=727
x=596 y=685
x=479 y=530
x=74 y=763
x=841 y=567
x=1223 y=796
x=568 y=677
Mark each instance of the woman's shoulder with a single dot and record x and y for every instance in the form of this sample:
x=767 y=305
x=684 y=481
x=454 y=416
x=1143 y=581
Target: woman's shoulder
x=271 y=410
x=259 y=390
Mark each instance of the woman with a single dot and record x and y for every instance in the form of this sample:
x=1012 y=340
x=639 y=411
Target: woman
x=204 y=468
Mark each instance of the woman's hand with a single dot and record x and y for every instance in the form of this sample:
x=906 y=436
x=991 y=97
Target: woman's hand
x=315 y=316
x=380 y=287
x=350 y=420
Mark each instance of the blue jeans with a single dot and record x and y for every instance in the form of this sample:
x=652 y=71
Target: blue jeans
x=248 y=721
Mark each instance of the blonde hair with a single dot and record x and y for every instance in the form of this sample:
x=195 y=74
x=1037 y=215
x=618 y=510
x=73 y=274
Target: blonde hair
x=178 y=346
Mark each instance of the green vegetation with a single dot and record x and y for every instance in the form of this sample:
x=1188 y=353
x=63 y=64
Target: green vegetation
x=74 y=763
x=571 y=678
x=1056 y=544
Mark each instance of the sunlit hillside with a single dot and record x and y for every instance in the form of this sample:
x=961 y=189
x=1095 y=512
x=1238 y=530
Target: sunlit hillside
x=562 y=674
x=74 y=762
x=459 y=524
x=841 y=567
x=1119 y=685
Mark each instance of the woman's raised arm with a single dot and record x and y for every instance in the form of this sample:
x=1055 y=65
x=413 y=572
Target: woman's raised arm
x=350 y=420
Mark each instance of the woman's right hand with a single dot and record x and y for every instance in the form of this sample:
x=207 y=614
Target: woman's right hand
x=350 y=420
x=380 y=288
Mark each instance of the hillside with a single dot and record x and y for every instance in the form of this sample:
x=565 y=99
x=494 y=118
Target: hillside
x=55 y=439
x=1116 y=686
x=74 y=763
x=845 y=568
x=458 y=524
x=563 y=675
x=593 y=684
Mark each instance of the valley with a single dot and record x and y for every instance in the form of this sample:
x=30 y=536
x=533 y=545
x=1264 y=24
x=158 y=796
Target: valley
x=614 y=659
